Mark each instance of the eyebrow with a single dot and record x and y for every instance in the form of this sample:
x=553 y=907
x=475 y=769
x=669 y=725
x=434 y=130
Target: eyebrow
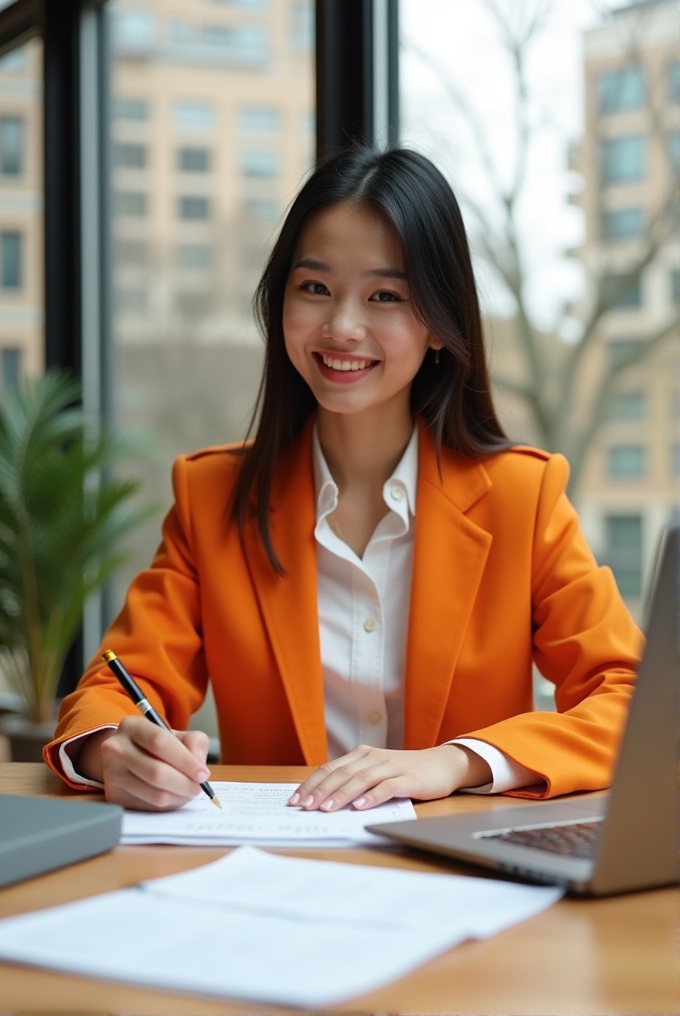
x=379 y=273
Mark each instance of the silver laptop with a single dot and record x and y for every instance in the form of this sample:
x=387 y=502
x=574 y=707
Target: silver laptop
x=613 y=843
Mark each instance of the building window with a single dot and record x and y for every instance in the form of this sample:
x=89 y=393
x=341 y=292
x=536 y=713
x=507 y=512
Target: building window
x=261 y=209
x=131 y=109
x=196 y=208
x=260 y=164
x=620 y=90
x=626 y=461
x=196 y=115
x=259 y=121
x=130 y=203
x=620 y=296
x=11 y=367
x=130 y=156
x=194 y=255
x=131 y=252
x=10 y=259
x=13 y=61
x=134 y=31
x=194 y=160
x=249 y=5
x=131 y=301
x=622 y=223
x=302 y=26
x=619 y=350
x=675 y=286
x=623 y=551
x=628 y=406
x=674 y=81
x=12 y=145
x=673 y=143
x=622 y=159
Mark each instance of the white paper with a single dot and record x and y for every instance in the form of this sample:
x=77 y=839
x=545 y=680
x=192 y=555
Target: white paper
x=278 y=930
x=257 y=813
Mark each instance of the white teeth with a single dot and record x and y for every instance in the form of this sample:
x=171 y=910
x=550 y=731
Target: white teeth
x=345 y=364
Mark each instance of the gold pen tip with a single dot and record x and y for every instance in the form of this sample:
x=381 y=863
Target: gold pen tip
x=216 y=802
x=108 y=656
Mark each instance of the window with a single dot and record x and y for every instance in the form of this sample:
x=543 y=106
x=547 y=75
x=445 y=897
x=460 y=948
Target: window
x=12 y=132
x=619 y=350
x=622 y=223
x=130 y=156
x=197 y=115
x=302 y=26
x=622 y=159
x=262 y=164
x=673 y=144
x=674 y=81
x=620 y=90
x=13 y=61
x=130 y=203
x=623 y=551
x=261 y=210
x=194 y=255
x=675 y=286
x=259 y=120
x=194 y=160
x=130 y=109
x=11 y=367
x=238 y=46
x=628 y=406
x=251 y=5
x=131 y=252
x=191 y=207
x=622 y=297
x=131 y=301
x=134 y=31
x=626 y=461
x=11 y=260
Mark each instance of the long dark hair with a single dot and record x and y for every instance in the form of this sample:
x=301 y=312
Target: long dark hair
x=453 y=396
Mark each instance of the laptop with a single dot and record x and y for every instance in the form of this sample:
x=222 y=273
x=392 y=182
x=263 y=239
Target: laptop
x=39 y=834
x=614 y=843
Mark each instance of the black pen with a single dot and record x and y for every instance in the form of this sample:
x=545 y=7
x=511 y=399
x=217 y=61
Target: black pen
x=145 y=707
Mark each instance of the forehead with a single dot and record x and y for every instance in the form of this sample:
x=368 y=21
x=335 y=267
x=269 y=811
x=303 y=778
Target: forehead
x=347 y=231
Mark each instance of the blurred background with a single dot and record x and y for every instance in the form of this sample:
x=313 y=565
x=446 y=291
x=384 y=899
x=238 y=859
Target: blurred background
x=140 y=192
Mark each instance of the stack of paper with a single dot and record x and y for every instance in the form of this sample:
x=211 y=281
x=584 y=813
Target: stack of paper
x=270 y=929
x=257 y=813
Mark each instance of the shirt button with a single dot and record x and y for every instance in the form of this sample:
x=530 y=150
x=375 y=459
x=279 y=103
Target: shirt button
x=374 y=717
x=396 y=493
x=369 y=624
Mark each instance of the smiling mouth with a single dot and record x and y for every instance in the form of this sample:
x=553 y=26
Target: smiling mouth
x=344 y=365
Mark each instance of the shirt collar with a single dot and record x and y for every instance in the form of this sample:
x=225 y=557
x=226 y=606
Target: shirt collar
x=404 y=476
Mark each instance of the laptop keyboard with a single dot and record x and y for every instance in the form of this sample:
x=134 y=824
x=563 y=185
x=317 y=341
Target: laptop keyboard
x=575 y=840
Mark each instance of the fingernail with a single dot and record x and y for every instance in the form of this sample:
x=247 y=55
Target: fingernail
x=202 y=775
x=295 y=798
x=327 y=805
x=359 y=803
x=307 y=801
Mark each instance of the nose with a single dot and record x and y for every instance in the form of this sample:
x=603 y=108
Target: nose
x=345 y=323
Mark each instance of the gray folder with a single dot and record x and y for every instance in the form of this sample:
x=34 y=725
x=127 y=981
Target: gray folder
x=39 y=834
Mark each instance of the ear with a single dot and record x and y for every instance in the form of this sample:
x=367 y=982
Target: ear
x=435 y=343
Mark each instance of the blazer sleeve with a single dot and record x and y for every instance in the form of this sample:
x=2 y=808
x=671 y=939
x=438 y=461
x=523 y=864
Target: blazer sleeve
x=585 y=643
x=157 y=635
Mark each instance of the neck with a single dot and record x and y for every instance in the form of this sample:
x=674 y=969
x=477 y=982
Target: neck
x=363 y=449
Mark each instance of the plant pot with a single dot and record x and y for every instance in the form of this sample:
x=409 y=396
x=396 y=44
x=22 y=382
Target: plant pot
x=26 y=738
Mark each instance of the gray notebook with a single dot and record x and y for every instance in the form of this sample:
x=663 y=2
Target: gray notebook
x=39 y=834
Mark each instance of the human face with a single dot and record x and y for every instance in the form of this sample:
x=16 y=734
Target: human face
x=348 y=322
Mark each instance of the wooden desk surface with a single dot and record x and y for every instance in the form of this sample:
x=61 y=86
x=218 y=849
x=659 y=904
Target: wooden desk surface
x=609 y=956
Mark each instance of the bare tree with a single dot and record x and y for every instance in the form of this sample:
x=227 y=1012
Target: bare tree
x=550 y=385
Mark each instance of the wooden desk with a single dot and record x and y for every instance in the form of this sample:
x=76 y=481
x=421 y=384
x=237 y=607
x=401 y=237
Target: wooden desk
x=608 y=956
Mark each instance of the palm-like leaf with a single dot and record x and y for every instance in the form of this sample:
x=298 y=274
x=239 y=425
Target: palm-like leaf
x=61 y=519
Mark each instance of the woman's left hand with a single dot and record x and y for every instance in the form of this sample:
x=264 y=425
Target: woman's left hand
x=370 y=776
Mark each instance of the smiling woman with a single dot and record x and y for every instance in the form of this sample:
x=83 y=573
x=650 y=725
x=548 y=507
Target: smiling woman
x=389 y=566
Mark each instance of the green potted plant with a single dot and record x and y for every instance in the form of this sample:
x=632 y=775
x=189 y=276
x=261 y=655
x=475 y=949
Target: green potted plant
x=62 y=515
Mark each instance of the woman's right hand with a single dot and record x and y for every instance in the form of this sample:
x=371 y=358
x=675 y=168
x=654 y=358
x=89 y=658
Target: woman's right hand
x=145 y=767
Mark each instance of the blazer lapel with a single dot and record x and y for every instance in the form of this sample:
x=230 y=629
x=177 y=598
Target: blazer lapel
x=289 y=603
x=449 y=557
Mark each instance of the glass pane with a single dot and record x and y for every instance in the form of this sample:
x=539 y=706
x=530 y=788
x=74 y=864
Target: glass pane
x=210 y=111
x=21 y=213
x=555 y=122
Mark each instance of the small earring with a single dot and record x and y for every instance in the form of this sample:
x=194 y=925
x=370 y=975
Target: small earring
x=436 y=356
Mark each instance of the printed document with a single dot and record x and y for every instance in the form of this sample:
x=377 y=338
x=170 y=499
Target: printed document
x=257 y=813
x=266 y=929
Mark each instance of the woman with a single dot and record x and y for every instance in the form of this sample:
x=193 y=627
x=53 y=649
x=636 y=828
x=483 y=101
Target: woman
x=367 y=584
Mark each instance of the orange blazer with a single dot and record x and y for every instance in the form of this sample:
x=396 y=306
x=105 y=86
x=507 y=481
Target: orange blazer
x=502 y=578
